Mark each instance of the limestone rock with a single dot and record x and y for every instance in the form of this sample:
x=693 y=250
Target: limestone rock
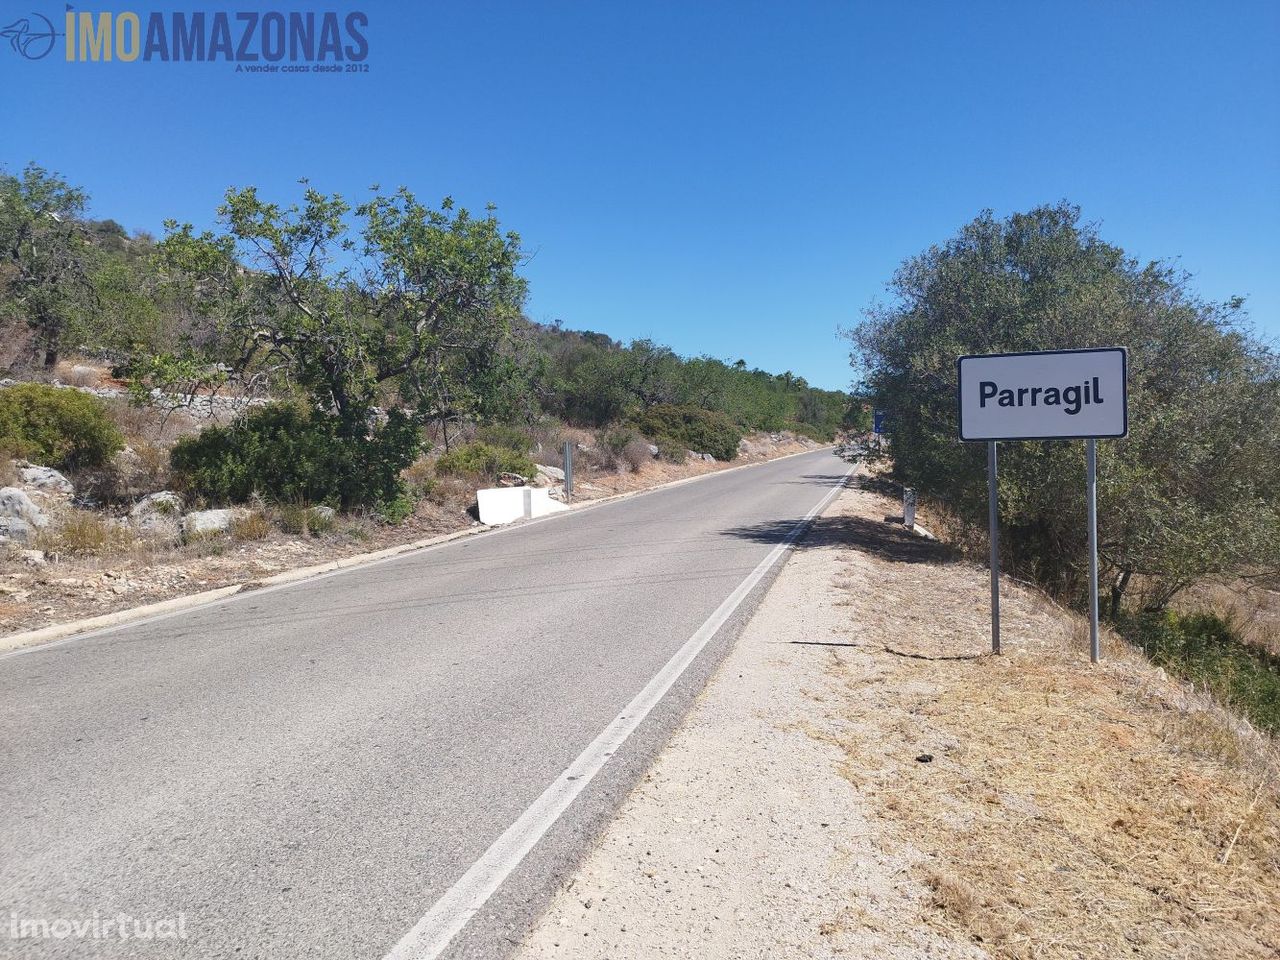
x=16 y=505
x=203 y=523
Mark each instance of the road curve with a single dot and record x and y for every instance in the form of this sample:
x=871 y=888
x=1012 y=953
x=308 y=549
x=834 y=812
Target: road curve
x=307 y=770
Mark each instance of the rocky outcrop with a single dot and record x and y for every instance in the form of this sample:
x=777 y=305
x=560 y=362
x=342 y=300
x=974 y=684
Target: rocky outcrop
x=16 y=505
x=46 y=480
x=15 y=530
x=204 y=523
x=158 y=516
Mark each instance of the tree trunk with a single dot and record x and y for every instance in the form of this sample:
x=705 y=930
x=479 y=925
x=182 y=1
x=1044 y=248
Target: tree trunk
x=1118 y=587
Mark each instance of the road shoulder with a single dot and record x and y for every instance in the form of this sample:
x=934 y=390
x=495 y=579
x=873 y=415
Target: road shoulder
x=860 y=779
x=744 y=839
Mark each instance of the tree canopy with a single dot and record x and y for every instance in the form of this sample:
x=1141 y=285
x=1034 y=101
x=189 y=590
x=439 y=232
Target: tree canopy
x=1194 y=491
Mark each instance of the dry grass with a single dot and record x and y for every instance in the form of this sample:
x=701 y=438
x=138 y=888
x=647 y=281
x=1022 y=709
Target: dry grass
x=81 y=372
x=1252 y=607
x=252 y=526
x=151 y=424
x=78 y=532
x=1066 y=810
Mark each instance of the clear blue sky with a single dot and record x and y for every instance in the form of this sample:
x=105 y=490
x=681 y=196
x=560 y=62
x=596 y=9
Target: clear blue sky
x=731 y=178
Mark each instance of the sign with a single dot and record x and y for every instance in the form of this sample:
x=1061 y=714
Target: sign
x=1049 y=395
x=878 y=421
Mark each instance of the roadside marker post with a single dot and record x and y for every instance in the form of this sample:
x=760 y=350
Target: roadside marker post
x=1044 y=395
x=568 y=470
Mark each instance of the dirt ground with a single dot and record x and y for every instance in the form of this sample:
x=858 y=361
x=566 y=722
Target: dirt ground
x=67 y=588
x=860 y=779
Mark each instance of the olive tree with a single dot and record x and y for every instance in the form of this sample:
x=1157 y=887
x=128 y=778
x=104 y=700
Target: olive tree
x=1193 y=492
x=43 y=250
x=392 y=299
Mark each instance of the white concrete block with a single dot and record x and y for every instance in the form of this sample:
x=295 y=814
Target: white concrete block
x=506 y=504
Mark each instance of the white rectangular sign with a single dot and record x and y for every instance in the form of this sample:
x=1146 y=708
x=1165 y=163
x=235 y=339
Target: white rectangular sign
x=1049 y=395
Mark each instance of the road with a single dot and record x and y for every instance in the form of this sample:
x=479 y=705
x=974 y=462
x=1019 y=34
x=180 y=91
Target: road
x=322 y=769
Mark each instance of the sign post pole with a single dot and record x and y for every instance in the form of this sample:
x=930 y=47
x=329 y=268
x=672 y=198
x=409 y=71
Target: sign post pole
x=1091 y=493
x=993 y=521
x=568 y=469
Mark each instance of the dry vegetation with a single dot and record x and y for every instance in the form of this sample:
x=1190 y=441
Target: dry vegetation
x=1252 y=607
x=1058 y=809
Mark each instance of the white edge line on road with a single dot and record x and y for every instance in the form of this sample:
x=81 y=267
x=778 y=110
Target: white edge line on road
x=431 y=935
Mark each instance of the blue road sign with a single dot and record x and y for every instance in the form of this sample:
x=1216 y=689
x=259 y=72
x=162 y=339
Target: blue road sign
x=878 y=421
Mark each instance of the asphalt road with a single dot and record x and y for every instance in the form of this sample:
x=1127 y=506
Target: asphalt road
x=304 y=771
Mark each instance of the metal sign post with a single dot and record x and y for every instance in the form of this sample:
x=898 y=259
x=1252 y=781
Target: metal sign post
x=993 y=523
x=568 y=470
x=1091 y=494
x=1046 y=395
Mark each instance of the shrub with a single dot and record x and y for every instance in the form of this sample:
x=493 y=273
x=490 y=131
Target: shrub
x=636 y=454
x=704 y=431
x=481 y=459
x=397 y=510
x=419 y=477
x=672 y=451
x=253 y=526
x=65 y=429
x=300 y=519
x=813 y=433
x=608 y=452
x=507 y=437
x=1206 y=649
x=599 y=458
x=294 y=518
x=288 y=454
x=615 y=439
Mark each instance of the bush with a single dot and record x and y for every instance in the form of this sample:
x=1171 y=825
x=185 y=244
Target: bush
x=615 y=439
x=481 y=459
x=813 y=433
x=288 y=454
x=636 y=454
x=509 y=438
x=672 y=451
x=1208 y=650
x=703 y=431
x=609 y=451
x=65 y=429
x=253 y=526
x=396 y=511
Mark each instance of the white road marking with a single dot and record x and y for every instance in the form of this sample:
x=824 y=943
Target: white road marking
x=431 y=935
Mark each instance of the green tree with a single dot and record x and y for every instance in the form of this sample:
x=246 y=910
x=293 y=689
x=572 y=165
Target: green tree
x=411 y=302
x=43 y=279
x=1193 y=492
